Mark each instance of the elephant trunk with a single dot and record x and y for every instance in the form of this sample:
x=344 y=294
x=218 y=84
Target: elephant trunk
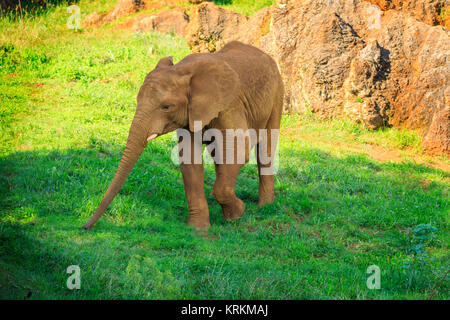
x=135 y=145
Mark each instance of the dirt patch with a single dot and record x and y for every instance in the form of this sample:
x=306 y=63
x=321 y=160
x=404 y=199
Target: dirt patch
x=425 y=184
x=205 y=234
x=123 y=76
x=384 y=155
x=297 y=216
x=128 y=7
x=25 y=147
x=375 y=152
x=34 y=85
x=168 y=21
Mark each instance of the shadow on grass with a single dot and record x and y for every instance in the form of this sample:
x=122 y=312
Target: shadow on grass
x=223 y=2
x=72 y=183
x=32 y=7
x=48 y=195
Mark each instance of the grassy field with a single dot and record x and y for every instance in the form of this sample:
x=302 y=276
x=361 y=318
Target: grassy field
x=346 y=197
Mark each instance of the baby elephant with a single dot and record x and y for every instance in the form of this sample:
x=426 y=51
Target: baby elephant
x=230 y=100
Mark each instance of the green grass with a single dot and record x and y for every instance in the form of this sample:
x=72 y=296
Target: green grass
x=67 y=100
x=247 y=7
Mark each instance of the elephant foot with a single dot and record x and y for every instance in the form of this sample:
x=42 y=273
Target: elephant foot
x=233 y=211
x=199 y=223
x=265 y=200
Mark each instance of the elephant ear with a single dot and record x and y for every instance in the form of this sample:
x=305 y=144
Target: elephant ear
x=164 y=63
x=213 y=87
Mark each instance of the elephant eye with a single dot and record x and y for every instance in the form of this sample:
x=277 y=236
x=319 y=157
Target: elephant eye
x=165 y=107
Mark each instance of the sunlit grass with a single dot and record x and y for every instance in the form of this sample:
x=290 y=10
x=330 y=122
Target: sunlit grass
x=246 y=7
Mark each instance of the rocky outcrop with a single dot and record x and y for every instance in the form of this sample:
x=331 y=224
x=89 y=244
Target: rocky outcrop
x=363 y=86
x=128 y=7
x=93 y=19
x=168 y=21
x=212 y=27
x=346 y=58
x=438 y=137
x=124 y=8
x=432 y=12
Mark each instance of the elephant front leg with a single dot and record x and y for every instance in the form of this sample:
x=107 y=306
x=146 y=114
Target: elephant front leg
x=232 y=207
x=191 y=165
x=195 y=195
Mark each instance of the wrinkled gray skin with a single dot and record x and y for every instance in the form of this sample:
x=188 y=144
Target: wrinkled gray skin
x=237 y=87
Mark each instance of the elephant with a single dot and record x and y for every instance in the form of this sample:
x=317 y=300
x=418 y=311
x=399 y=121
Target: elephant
x=237 y=87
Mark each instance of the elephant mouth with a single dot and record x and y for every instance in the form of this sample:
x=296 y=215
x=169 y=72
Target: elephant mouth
x=152 y=137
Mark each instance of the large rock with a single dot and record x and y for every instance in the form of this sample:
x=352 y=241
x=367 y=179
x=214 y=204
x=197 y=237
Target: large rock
x=346 y=58
x=168 y=21
x=431 y=12
x=211 y=26
x=93 y=19
x=436 y=141
x=124 y=8
x=128 y=7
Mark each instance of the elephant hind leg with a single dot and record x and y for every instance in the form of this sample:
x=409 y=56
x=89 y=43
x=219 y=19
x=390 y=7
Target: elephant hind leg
x=265 y=154
x=266 y=189
x=232 y=207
